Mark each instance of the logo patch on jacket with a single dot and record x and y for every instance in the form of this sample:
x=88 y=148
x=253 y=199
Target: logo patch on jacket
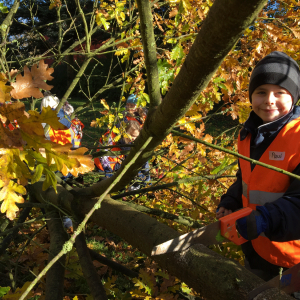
x=275 y=155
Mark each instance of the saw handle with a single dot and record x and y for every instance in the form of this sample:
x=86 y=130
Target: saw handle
x=228 y=228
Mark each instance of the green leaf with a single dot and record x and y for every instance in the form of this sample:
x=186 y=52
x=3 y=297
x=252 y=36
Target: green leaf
x=185 y=288
x=50 y=179
x=177 y=52
x=3 y=8
x=222 y=86
x=218 y=79
x=37 y=173
x=4 y=290
x=220 y=167
x=219 y=237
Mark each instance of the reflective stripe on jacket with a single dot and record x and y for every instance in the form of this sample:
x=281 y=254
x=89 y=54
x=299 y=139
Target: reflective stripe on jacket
x=263 y=185
x=113 y=160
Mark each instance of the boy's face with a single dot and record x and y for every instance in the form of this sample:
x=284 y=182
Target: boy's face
x=133 y=134
x=131 y=107
x=270 y=102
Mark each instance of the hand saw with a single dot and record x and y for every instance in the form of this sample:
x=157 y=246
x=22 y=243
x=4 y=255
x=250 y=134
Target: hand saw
x=207 y=235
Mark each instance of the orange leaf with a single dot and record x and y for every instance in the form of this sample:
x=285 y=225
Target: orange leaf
x=31 y=83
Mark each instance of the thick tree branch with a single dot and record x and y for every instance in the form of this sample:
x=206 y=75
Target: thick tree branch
x=214 y=276
x=88 y=269
x=56 y=274
x=165 y=215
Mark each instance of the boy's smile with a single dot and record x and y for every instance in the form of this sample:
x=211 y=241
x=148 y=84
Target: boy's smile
x=270 y=102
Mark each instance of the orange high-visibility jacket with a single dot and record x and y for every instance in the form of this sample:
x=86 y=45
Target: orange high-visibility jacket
x=113 y=159
x=263 y=185
x=62 y=137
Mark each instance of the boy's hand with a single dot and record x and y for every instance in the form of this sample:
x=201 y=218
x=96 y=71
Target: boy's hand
x=222 y=212
x=253 y=225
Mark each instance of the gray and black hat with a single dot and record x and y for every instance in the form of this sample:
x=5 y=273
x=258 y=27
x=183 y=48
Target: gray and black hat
x=277 y=68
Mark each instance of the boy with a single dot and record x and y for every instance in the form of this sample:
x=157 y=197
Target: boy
x=134 y=113
x=109 y=164
x=271 y=135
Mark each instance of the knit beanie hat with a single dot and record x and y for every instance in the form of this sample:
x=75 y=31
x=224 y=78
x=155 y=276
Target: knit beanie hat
x=277 y=68
x=132 y=99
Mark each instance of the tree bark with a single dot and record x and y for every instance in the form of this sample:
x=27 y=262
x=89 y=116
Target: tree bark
x=56 y=274
x=149 y=47
x=88 y=269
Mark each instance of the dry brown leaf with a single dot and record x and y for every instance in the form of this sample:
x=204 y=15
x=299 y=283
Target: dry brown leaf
x=31 y=83
x=13 y=111
x=10 y=138
x=173 y=13
x=42 y=73
x=93 y=123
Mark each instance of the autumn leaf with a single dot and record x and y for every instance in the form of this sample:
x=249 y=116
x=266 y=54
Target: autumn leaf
x=33 y=124
x=94 y=123
x=104 y=103
x=42 y=73
x=10 y=138
x=86 y=162
x=31 y=83
x=4 y=92
x=54 y=3
x=9 y=195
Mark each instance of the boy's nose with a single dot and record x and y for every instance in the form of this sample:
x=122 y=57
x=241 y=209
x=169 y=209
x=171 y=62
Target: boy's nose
x=270 y=99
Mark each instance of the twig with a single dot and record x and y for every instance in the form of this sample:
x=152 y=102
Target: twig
x=253 y=161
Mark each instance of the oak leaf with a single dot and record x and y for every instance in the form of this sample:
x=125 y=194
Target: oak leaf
x=31 y=83
x=10 y=138
x=86 y=162
x=10 y=196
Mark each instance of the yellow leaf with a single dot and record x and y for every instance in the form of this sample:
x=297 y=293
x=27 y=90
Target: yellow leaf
x=100 y=19
x=10 y=197
x=104 y=103
x=49 y=116
x=116 y=130
x=4 y=92
x=84 y=163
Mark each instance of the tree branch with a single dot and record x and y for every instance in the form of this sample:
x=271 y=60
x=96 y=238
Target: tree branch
x=253 y=161
x=112 y=264
x=56 y=274
x=88 y=269
x=149 y=48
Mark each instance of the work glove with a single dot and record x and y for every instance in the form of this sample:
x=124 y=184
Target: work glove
x=253 y=225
